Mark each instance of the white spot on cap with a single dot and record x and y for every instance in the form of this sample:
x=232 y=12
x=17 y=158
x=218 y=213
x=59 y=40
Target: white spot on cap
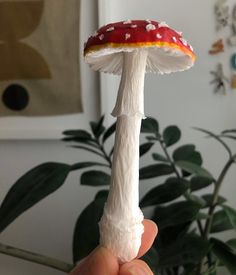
x=150 y=27
x=162 y=24
x=101 y=37
x=133 y=26
x=180 y=33
x=110 y=29
x=148 y=21
x=127 y=36
x=159 y=36
x=127 y=21
x=191 y=48
x=174 y=39
x=184 y=41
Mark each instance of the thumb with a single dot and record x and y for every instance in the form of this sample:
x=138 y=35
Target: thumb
x=99 y=262
x=136 y=267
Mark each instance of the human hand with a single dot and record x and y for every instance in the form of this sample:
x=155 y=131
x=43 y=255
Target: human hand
x=102 y=262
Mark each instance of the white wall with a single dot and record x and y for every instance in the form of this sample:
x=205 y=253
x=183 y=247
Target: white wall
x=185 y=99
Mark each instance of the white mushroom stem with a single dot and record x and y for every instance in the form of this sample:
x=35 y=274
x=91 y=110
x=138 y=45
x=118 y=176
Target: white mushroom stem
x=121 y=225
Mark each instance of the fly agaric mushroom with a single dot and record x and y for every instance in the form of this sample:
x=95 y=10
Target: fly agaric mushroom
x=131 y=48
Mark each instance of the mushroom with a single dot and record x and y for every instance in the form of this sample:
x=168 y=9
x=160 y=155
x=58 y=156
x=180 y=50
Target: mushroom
x=121 y=48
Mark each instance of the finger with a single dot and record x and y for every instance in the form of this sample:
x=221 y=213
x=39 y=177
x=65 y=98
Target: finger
x=148 y=237
x=99 y=262
x=135 y=267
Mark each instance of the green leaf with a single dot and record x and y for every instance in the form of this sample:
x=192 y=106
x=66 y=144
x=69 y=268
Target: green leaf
x=111 y=152
x=89 y=142
x=216 y=138
x=231 y=214
x=86 y=232
x=150 y=125
x=190 y=269
x=145 y=147
x=102 y=194
x=171 y=135
x=170 y=234
x=32 y=187
x=220 y=222
x=194 y=169
x=155 y=170
x=182 y=152
x=151 y=259
x=95 y=178
x=88 y=149
x=197 y=183
x=152 y=138
x=81 y=134
x=110 y=131
x=187 y=153
x=209 y=197
x=176 y=213
x=170 y=190
x=197 y=199
x=159 y=157
x=188 y=249
x=202 y=216
x=232 y=244
x=195 y=158
x=225 y=254
x=81 y=165
x=97 y=127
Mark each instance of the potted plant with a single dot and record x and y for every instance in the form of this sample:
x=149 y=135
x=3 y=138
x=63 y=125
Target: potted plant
x=187 y=220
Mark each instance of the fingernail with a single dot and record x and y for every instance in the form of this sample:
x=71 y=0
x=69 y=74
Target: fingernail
x=138 y=271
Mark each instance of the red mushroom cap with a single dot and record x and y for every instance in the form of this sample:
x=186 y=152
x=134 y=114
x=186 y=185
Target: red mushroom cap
x=167 y=50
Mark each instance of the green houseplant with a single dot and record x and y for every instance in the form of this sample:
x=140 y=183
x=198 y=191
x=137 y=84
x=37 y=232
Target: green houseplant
x=187 y=221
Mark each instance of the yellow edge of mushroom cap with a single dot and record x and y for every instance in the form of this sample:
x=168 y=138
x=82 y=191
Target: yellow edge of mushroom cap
x=139 y=45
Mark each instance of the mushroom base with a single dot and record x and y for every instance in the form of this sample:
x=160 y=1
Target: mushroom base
x=122 y=238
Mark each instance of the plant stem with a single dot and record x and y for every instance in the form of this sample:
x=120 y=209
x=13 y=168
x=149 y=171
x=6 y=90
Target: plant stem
x=215 y=197
x=201 y=230
x=169 y=159
x=216 y=192
x=35 y=258
x=104 y=153
x=199 y=224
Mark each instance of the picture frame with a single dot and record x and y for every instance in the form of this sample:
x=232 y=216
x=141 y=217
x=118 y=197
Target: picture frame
x=51 y=127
